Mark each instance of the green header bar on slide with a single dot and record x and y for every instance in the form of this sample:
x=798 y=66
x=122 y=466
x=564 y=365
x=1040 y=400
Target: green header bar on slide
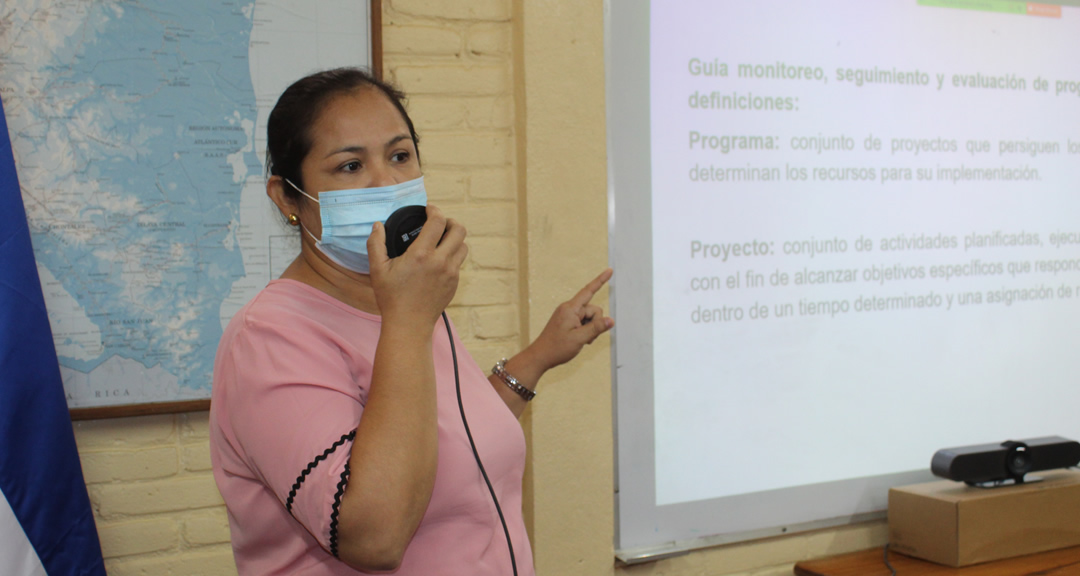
x=1004 y=6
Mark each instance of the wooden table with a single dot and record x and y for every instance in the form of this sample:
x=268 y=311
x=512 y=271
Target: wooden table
x=1064 y=562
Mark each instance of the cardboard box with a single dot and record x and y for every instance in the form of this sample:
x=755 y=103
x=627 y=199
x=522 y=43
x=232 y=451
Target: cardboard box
x=954 y=524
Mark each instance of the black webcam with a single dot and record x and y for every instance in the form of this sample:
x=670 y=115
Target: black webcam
x=402 y=227
x=1006 y=463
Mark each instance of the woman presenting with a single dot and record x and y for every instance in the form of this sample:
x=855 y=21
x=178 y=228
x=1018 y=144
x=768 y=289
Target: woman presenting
x=338 y=437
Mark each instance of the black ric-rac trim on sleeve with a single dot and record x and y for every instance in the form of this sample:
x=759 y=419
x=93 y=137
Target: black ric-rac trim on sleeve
x=334 y=513
x=311 y=466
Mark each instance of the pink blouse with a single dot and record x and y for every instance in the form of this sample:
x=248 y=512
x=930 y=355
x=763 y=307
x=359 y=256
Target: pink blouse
x=291 y=380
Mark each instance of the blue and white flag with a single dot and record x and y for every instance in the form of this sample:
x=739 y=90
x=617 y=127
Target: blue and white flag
x=46 y=524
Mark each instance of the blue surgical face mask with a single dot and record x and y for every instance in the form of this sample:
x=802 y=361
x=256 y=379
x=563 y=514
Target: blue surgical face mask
x=347 y=217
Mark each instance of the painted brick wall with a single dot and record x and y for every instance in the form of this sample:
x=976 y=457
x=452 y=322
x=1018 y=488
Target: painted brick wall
x=158 y=511
x=155 y=502
x=453 y=60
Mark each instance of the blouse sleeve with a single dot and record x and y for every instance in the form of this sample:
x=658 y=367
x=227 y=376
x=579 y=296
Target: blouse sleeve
x=297 y=396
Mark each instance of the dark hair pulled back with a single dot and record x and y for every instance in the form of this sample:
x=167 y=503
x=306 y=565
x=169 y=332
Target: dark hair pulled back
x=288 y=130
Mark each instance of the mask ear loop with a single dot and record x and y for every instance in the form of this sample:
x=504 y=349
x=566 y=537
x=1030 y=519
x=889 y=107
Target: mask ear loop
x=310 y=197
x=315 y=200
x=308 y=232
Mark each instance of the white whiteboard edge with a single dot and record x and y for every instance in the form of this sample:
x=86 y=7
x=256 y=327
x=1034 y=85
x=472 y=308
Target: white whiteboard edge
x=642 y=555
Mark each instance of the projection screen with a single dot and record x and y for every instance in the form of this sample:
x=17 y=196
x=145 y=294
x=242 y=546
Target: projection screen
x=845 y=234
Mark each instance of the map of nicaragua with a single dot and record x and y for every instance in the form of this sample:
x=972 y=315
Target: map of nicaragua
x=134 y=131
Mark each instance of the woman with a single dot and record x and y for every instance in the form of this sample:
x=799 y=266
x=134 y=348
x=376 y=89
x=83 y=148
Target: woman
x=337 y=438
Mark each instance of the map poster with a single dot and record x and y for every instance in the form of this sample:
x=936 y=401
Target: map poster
x=138 y=130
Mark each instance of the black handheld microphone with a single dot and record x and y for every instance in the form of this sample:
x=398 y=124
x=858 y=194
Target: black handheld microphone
x=402 y=227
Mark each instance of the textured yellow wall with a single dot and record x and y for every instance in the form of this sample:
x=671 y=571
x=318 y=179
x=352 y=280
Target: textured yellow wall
x=453 y=59
x=561 y=104
x=508 y=96
x=155 y=502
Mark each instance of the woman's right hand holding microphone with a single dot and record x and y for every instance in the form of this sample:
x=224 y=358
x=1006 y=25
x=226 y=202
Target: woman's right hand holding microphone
x=418 y=285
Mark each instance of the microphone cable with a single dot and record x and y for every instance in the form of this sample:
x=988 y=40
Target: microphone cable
x=465 y=421
x=885 y=553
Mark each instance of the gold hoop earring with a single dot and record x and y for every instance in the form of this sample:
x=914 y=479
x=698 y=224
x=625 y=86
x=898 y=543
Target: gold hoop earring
x=294 y=220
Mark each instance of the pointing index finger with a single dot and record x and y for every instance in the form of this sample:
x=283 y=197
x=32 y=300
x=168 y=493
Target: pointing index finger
x=585 y=294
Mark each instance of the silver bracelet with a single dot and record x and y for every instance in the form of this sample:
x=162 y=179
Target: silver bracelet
x=500 y=370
